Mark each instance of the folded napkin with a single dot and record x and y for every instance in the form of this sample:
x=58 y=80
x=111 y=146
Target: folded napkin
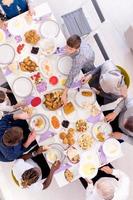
x=76 y=84
x=94 y=119
x=46 y=135
x=63 y=167
x=102 y=156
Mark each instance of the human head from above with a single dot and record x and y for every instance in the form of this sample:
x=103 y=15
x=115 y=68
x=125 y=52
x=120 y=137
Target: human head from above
x=12 y=136
x=2 y=96
x=105 y=189
x=73 y=44
x=30 y=176
x=129 y=124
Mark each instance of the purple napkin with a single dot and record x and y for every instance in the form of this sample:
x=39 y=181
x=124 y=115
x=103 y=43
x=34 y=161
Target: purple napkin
x=7 y=72
x=18 y=38
x=41 y=87
x=102 y=155
x=46 y=135
x=43 y=18
x=7 y=33
x=94 y=119
x=63 y=167
x=28 y=100
x=76 y=84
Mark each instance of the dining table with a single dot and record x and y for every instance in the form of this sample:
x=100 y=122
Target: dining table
x=49 y=77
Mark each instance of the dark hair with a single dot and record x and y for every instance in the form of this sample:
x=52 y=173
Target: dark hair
x=129 y=124
x=13 y=136
x=2 y=96
x=74 y=41
x=29 y=177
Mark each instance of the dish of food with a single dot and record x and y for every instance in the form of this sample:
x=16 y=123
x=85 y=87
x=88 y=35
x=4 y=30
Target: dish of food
x=32 y=37
x=46 y=68
x=8 y=50
x=68 y=108
x=85 y=97
x=112 y=148
x=49 y=29
x=55 y=122
x=68 y=175
x=88 y=170
x=28 y=65
x=52 y=100
x=94 y=111
x=39 y=123
x=81 y=125
x=101 y=131
x=85 y=141
x=24 y=91
x=64 y=65
x=2 y=36
x=48 y=46
x=54 y=153
x=37 y=78
x=73 y=155
x=68 y=136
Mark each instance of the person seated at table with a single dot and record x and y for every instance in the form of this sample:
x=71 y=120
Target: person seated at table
x=5 y=104
x=15 y=136
x=83 y=59
x=124 y=111
x=12 y=8
x=108 y=82
x=108 y=188
x=27 y=174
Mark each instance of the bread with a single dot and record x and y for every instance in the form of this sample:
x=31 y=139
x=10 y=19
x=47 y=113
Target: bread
x=68 y=108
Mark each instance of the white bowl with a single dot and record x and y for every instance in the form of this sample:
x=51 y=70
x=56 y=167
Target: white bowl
x=112 y=148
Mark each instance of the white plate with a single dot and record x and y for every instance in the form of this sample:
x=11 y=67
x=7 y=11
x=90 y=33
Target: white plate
x=72 y=116
x=44 y=127
x=22 y=87
x=85 y=101
x=7 y=54
x=102 y=127
x=2 y=36
x=49 y=29
x=48 y=46
x=112 y=148
x=88 y=169
x=65 y=65
x=17 y=26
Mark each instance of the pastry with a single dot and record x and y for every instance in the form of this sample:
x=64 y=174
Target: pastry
x=68 y=108
x=28 y=65
x=62 y=135
x=32 y=37
x=68 y=175
x=55 y=122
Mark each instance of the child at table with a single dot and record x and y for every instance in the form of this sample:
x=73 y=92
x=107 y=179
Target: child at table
x=5 y=104
x=12 y=8
x=28 y=174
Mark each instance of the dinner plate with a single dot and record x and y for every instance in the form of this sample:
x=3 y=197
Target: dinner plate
x=22 y=87
x=112 y=148
x=2 y=36
x=85 y=101
x=102 y=127
x=65 y=65
x=54 y=153
x=17 y=26
x=49 y=29
x=48 y=46
x=39 y=123
x=7 y=54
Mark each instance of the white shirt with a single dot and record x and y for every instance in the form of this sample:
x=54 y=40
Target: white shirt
x=20 y=167
x=121 y=189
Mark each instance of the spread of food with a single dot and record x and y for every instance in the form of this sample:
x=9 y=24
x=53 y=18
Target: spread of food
x=53 y=100
x=73 y=155
x=85 y=141
x=68 y=137
x=81 y=125
x=55 y=122
x=28 y=65
x=32 y=37
x=68 y=175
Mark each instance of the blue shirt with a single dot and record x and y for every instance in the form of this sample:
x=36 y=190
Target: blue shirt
x=10 y=153
x=12 y=10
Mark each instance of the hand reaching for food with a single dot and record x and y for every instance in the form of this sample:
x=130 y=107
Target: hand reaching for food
x=116 y=135
x=111 y=117
x=107 y=169
x=56 y=165
x=42 y=149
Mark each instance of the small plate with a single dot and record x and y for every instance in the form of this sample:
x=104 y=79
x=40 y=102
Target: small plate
x=85 y=101
x=48 y=46
x=112 y=148
x=44 y=123
x=65 y=65
x=7 y=54
x=49 y=29
x=22 y=87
